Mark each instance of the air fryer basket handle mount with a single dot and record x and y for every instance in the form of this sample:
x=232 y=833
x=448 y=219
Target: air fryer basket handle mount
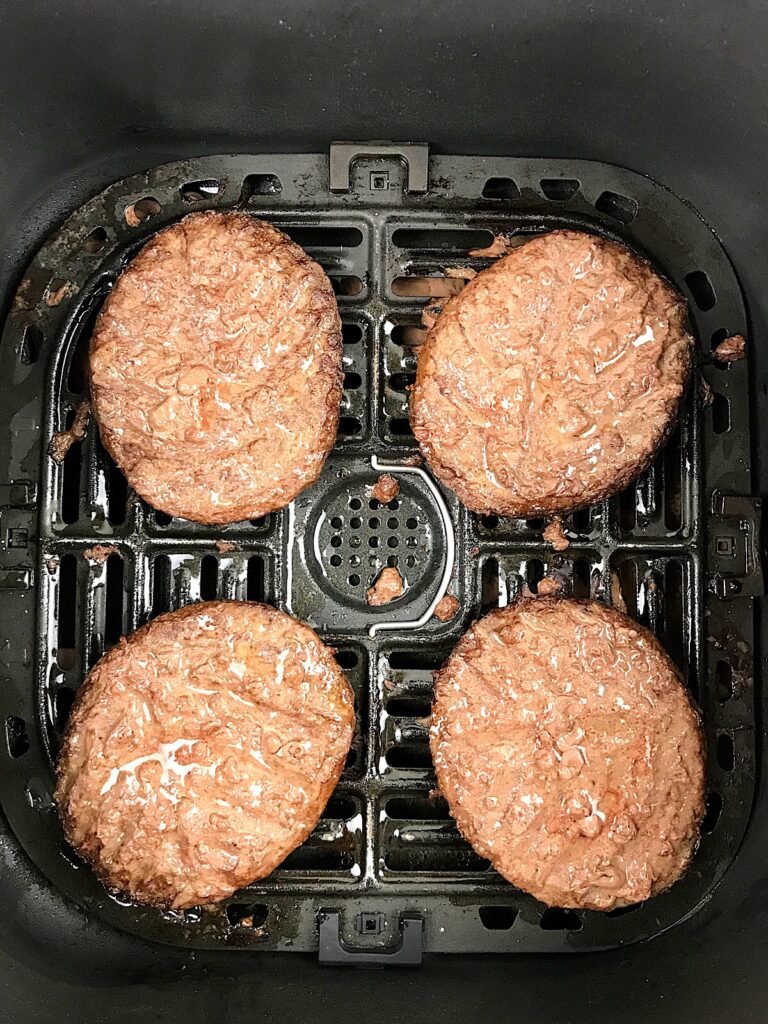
x=333 y=950
x=415 y=156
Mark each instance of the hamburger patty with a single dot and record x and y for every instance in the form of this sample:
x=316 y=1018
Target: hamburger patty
x=553 y=378
x=202 y=750
x=570 y=753
x=216 y=369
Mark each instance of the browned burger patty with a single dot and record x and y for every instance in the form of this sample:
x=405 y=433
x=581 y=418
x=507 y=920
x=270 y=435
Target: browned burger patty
x=216 y=369
x=552 y=379
x=570 y=753
x=202 y=750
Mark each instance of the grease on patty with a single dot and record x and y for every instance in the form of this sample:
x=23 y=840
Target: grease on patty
x=553 y=378
x=202 y=750
x=216 y=369
x=570 y=753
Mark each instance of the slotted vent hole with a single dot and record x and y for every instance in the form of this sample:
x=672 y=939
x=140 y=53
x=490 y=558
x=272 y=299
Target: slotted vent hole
x=408 y=335
x=66 y=605
x=409 y=756
x=209 y=577
x=725 y=752
x=497 y=918
x=500 y=188
x=428 y=239
x=628 y=585
x=117 y=494
x=340 y=807
x=712 y=814
x=350 y=426
x=721 y=414
x=673 y=483
x=16 y=736
x=352 y=334
x=113 y=612
x=95 y=241
x=31 y=343
x=674 y=614
x=197 y=191
x=427 y=286
x=142 y=210
x=581 y=577
x=347 y=659
x=400 y=426
x=324 y=237
x=416 y=660
x=560 y=919
x=417 y=808
x=62 y=706
x=490 y=585
x=410 y=706
x=70 y=477
x=723 y=681
x=260 y=185
x=534 y=574
x=459 y=857
x=347 y=285
x=161 y=585
x=316 y=858
x=247 y=915
x=620 y=208
x=255 y=587
x=582 y=520
x=560 y=189
x=701 y=290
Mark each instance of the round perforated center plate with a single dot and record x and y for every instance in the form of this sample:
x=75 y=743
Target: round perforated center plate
x=354 y=536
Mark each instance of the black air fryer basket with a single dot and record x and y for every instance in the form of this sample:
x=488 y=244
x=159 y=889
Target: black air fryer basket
x=385 y=880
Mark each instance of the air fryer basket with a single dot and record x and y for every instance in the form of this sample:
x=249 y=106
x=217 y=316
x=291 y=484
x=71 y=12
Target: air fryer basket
x=385 y=874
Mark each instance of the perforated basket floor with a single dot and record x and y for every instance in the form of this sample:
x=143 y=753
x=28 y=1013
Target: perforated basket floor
x=671 y=547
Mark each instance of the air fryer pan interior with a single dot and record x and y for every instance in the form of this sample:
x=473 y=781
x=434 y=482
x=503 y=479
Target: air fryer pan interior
x=676 y=98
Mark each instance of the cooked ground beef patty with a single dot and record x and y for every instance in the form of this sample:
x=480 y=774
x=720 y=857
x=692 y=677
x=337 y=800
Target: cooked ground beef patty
x=553 y=378
x=570 y=753
x=202 y=750
x=216 y=369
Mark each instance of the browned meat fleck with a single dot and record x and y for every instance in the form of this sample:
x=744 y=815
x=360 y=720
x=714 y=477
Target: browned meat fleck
x=555 y=535
x=385 y=489
x=731 y=349
x=52 y=564
x=500 y=246
x=551 y=381
x=413 y=460
x=617 y=597
x=63 y=440
x=586 y=795
x=475 y=551
x=212 y=739
x=706 y=393
x=389 y=685
x=55 y=297
x=225 y=546
x=464 y=273
x=388 y=587
x=99 y=552
x=548 y=586
x=132 y=219
x=446 y=608
x=237 y=416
